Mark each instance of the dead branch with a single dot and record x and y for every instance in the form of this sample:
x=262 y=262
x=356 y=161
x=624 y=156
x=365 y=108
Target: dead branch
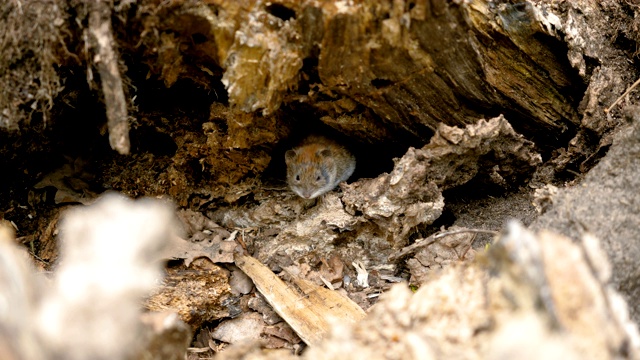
x=106 y=61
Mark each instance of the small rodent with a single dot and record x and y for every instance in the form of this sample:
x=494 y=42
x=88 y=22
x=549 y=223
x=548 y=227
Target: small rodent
x=317 y=166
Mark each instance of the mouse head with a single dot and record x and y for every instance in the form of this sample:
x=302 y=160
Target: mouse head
x=310 y=173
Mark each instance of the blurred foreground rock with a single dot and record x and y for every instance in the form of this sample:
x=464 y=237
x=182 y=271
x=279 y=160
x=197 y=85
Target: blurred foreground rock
x=91 y=308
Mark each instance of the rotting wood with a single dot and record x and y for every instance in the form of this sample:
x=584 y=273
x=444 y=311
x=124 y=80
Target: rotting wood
x=310 y=310
x=198 y=294
x=394 y=68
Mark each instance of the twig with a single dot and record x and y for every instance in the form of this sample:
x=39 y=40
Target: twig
x=240 y=240
x=432 y=238
x=475 y=231
x=622 y=96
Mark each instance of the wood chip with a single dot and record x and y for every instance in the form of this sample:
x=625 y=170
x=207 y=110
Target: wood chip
x=309 y=309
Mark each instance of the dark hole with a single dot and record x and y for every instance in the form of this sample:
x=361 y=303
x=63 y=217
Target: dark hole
x=198 y=38
x=175 y=263
x=342 y=238
x=281 y=11
x=223 y=126
x=381 y=83
x=592 y=64
x=310 y=75
x=147 y=139
x=184 y=94
x=195 y=173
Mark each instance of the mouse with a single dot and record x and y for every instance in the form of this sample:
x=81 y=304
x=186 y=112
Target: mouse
x=317 y=166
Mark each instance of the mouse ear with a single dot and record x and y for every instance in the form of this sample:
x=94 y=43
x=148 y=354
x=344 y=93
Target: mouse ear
x=325 y=153
x=289 y=155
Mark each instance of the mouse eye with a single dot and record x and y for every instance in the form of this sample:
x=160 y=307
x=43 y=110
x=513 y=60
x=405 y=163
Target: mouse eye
x=318 y=178
x=298 y=177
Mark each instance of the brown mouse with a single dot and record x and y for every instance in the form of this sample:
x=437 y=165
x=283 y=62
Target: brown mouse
x=317 y=166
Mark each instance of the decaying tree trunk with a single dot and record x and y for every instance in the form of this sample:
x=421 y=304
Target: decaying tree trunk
x=414 y=64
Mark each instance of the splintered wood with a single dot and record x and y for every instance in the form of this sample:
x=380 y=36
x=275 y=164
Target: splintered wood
x=309 y=309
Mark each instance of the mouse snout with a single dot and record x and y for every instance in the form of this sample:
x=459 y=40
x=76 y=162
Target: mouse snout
x=303 y=192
